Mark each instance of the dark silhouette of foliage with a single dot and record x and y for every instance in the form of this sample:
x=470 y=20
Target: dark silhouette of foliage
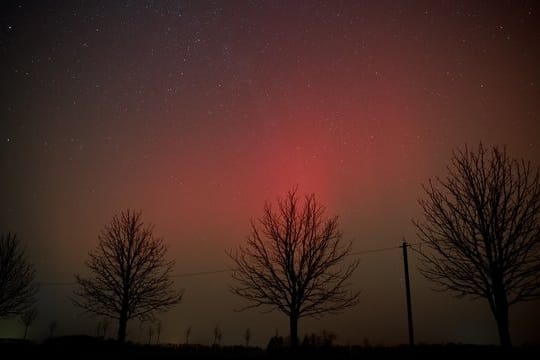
x=130 y=277
x=89 y=347
x=17 y=288
x=325 y=339
x=275 y=343
x=481 y=232
x=27 y=319
x=293 y=262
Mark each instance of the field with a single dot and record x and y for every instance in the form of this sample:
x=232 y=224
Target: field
x=86 y=347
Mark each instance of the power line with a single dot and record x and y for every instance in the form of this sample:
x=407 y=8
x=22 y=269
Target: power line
x=187 y=274
x=381 y=249
x=201 y=273
x=413 y=245
x=373 y=250
x=220 y=271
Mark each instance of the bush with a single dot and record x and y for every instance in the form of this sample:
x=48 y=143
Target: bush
x=325 y=339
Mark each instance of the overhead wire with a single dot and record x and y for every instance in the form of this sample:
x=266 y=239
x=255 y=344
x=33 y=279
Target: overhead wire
x=220 y=271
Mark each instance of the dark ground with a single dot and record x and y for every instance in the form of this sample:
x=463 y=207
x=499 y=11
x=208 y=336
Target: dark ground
x=86 y=347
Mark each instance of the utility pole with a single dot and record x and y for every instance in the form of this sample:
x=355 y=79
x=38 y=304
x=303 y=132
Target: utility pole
x=408 y=293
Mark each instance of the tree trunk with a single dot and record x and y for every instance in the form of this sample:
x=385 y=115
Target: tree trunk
x=293 y=321
x=501 y=316
x=122 y=325
x=25 y=331
x=500 y=311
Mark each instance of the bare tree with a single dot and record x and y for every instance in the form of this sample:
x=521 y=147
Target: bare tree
x=130 y=276
x=247 y=336
x=188 y=333
x=27 y=318
x=150 y=333
x=52 y=328
x=218 y=335
x=105 y=326
x=99 y=327
x=17 y=288
x=141 y=334
x=294 y=262
x=159 y=327
x=481 y=231
x=102 y=327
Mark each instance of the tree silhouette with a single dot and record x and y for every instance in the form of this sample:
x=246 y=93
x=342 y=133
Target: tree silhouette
x=188 y=334
x=27 y=318
x=247 y=336
x=102 y=327
x=150 y=333
x=105 y=326
x=17 y=288
x=481 y=231
x=52 y=328
x=159 y=327
x=218 y=335
x=130 y=275
x=294 y=262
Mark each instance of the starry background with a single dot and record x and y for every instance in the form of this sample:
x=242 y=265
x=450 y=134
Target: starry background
x=196 y=112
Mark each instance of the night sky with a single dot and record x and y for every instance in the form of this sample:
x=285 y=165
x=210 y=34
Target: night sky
x=197 y=112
